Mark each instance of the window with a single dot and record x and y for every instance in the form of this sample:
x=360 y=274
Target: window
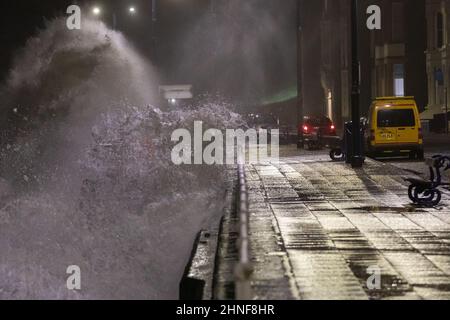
x=440 y=30
x=399 y=80
x=396 y=118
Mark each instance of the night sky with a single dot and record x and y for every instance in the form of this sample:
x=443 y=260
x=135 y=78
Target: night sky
x=19 y=20
x=241 y=48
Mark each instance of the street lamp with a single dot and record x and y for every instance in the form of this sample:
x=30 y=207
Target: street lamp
x=357 y=159
x=96 y=11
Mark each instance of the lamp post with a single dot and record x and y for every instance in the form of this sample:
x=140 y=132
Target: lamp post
x=154 y=21
x=299 y=35
x=357 y=160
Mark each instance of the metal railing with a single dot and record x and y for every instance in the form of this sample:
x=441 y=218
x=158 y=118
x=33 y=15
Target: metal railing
x=244 y=268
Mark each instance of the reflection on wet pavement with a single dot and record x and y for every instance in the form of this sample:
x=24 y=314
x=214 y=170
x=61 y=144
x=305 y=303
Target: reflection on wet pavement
x=317 y=226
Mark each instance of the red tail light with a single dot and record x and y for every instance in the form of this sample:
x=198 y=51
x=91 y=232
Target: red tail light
x=333 y=129
x=420 y=134
x=305 y=129
x=372 y=135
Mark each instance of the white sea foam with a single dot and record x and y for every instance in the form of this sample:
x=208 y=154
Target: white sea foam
x=86 y=176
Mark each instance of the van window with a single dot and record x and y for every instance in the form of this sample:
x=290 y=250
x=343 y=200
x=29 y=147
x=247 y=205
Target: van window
x=396 y=118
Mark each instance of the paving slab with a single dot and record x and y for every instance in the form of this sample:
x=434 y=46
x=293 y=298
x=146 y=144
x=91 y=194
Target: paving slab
x=319 y=229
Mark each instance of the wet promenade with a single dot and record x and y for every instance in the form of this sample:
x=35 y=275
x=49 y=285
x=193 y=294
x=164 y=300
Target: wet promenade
x=320 y=230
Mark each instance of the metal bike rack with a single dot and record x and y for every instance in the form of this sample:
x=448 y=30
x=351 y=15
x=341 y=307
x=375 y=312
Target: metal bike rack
x=426 y=192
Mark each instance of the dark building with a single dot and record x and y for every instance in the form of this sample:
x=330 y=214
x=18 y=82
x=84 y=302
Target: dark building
x=312 y=93
x=438 y=60
x=397 y=51
x=392 y=59
x=335 y=67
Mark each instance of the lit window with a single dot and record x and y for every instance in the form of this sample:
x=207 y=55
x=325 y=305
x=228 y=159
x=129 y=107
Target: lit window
x=399 y=80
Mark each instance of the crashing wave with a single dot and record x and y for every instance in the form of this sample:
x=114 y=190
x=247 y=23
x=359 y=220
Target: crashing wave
x=86 y=176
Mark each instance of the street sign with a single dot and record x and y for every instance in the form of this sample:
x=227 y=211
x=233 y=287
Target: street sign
x=176 y=92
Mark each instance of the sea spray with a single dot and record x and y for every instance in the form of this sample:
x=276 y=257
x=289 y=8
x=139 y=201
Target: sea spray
x=86 y=176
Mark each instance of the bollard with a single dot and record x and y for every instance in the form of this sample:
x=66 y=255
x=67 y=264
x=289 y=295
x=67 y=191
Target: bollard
x=348 y=141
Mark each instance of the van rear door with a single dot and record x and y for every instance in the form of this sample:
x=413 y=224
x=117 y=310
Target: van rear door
x=397 y=125
x=386 y=132
x=407 y=131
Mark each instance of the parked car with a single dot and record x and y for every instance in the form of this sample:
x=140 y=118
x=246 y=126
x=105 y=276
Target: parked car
x=394 y=128
x=315 y=130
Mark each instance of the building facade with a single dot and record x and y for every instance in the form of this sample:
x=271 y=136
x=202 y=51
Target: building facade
x=335 y=59
x=392 y=59
x=397 y=51
x=438 y=62
x=311 y=48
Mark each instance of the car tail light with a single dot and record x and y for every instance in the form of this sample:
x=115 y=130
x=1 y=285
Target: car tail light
x=372 y=135
x=305 y=129
x=420 y=134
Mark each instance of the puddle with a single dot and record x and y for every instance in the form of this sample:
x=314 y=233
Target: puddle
x=392 y=286
x=375 y=209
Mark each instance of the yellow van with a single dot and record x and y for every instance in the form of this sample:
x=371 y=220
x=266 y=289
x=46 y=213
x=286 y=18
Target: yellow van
x=394 y=128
